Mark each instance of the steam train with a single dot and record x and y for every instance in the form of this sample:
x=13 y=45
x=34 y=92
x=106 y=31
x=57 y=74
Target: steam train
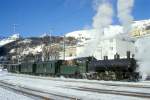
x=85 y=67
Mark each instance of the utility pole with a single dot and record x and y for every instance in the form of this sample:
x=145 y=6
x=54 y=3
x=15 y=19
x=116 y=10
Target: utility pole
x=51 y=50
x=14 y=28
x=64 y=46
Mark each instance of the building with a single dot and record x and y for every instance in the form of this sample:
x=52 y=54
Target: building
x=141 y=28
x=114 y=41
x=68 y=53
x=106 y=47
x=50 y=52
x=110 y=46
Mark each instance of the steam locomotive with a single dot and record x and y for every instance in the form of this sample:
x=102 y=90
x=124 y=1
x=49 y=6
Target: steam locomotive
x=85 y=67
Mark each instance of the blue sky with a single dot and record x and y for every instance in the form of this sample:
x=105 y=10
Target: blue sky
x=34 y=17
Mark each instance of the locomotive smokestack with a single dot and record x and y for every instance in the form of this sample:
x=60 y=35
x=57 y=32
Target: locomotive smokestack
x=105 y=57
x=116 y=56
x=133 y=55
x=128 y=54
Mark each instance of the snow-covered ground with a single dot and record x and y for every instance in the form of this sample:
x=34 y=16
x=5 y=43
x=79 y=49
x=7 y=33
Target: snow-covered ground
x=65 y=86
x=10 y=95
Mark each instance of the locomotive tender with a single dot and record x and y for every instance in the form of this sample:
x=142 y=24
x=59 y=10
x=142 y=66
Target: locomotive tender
x=85 y=67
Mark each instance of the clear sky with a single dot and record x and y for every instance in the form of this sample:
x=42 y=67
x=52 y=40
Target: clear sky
x=34 y=17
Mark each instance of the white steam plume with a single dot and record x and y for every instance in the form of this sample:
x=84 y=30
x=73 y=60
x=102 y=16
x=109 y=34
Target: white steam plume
x=102 y=19
x=143 y=56
x=124 y=13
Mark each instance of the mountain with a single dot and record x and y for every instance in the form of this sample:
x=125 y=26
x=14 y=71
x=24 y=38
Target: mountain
x=10 y=39
x=111 y=30
x=32 y=47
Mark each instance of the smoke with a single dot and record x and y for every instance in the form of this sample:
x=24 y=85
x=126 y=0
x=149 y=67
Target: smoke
x=124 y=8
x=143 y=56
x=102 y=19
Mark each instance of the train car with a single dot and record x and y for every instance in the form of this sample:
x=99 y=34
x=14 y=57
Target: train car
x=28 y=68
x=14 y=68
x=68 y=69
x=76 y=67
x=48 y=67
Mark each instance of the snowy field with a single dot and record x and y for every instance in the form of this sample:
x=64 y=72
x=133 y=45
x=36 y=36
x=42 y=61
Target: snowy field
x=70 y=87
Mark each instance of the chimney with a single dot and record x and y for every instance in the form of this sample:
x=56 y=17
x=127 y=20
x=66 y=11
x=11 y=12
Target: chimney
x=128 y=54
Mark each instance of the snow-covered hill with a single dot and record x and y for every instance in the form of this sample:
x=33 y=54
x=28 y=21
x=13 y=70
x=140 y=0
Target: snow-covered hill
x=110 y=31
x=12 y=38
x=141 y=23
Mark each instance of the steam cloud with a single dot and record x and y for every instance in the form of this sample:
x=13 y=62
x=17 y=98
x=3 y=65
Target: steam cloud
x=124 y=13
x=143 y=56
x=102 y=19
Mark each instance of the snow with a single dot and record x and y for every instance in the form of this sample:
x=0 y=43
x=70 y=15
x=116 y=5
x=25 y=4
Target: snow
x=2 y=72
x=69 y=87
x=25 y=41
x=10 y=95
x=28 y=50
x=33 y=50
x=6 y=41
x=141 y=23
x=44 y=35
x=80 y=34
x=15 y=36
x=12 y=51
x=12 y=38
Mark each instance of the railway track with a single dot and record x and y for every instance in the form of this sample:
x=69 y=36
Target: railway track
x=51 y=96
x=114 y=92
x=92 y=82
x=34 y=93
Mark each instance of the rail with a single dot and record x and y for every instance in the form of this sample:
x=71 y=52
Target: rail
x=115 y=92
x=82 y=81
x=42 y=95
